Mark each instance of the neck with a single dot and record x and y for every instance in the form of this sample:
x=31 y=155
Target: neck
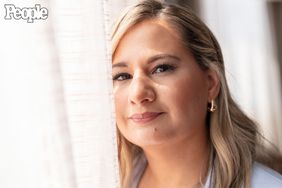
x=182 y=164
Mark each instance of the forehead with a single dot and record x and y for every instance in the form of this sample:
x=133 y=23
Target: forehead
x=155 y=26
x=152 y=36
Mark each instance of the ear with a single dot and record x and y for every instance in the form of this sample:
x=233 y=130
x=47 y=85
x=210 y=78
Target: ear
x=213 y=84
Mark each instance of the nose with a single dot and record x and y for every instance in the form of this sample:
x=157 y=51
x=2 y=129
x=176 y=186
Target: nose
x=141 y=91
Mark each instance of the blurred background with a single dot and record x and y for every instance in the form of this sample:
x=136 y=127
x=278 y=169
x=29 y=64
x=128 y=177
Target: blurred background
x=57 y=121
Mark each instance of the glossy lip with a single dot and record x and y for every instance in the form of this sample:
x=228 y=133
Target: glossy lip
x=144 y=117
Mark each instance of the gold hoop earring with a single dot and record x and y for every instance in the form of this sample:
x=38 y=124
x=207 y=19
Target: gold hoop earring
x=212 y=106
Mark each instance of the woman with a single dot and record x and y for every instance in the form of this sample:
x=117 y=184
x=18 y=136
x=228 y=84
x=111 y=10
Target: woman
x=177 y=123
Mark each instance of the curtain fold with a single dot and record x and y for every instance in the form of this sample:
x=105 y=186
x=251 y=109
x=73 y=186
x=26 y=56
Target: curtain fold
x=34 y=134
x=82 y=33
x=57 y=124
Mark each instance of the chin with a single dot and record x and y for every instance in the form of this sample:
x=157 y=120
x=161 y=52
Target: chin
x=147 y=141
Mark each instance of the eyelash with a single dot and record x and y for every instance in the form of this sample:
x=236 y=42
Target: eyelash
x=167 y=68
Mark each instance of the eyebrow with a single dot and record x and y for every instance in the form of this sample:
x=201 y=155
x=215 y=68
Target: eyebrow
x=150 y=60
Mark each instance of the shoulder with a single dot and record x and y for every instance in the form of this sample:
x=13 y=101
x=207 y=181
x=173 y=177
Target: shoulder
x=263 y=176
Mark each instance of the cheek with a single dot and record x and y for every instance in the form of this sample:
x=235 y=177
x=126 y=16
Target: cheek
x=189 y=100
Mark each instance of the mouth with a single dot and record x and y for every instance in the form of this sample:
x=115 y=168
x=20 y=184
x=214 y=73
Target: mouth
x=145 y=117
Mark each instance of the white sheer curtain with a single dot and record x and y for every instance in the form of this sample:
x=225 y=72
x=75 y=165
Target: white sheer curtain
x=119 y=5
x=57 y=127
x=243 y=30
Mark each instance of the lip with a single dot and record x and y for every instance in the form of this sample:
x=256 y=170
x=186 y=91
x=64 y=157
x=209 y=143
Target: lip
x=145 y=117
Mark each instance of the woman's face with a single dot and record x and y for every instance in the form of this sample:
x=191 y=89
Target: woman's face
x=161 y=94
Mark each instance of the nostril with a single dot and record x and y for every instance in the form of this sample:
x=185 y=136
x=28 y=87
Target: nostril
x=146 y=100
x=141 y=90
x=141 y=101
x=141 y=97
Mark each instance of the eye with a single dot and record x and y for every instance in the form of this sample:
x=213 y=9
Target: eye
x=121 y=76
x=163 y=68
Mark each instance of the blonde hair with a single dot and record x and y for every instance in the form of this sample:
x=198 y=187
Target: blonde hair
x=234 y=136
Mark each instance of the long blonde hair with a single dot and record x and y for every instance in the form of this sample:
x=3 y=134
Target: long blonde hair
x=234 y=137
